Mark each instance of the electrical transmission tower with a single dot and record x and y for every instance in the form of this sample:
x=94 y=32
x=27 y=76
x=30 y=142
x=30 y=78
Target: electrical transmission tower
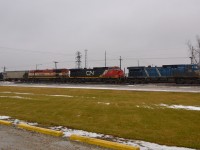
x=78 y=59
x=4 y=69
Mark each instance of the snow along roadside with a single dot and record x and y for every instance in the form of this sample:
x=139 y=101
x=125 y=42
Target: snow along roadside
x=68 y=132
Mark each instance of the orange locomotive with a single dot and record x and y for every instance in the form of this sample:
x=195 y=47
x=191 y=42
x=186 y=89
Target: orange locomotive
x=48 y=75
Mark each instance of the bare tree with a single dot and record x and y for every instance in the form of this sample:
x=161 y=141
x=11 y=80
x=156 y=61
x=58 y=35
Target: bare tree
x=194 y=51
x=198 y=49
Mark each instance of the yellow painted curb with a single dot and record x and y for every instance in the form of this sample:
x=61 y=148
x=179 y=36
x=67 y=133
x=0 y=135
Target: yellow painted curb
x=5 y=122
x=103 y=143
x=40 y=130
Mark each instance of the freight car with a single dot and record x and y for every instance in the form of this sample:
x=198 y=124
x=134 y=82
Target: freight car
x=180 y=74
x=15 y=75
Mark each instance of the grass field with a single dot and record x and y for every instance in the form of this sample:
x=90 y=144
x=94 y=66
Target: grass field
x=127 y=114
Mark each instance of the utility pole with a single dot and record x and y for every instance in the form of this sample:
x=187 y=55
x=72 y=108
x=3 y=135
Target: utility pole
x=78 y=59
x=192 y=57
x=105 y=58
x=37 y=66
x=4 y=69
x=86 y=58
x=55 y=64
x=120 y=62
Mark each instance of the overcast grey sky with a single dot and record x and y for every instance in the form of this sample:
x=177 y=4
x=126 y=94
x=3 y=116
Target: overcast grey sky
x=42 y=31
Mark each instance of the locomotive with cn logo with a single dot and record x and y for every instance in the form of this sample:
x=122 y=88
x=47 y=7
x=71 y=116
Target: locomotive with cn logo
x=97 y=74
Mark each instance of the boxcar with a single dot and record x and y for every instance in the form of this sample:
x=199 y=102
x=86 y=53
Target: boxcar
x=15 y=75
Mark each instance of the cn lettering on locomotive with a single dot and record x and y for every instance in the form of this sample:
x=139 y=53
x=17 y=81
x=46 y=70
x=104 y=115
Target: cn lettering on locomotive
x=90 y=73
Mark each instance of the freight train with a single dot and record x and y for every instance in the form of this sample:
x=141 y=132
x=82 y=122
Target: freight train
x=180 y=74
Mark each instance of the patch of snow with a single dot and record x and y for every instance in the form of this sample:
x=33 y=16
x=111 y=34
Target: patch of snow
x=103 y=103
x=68 y=132
x=130 y=85
x=60 y=95
x=144 y=106
x=4 y=117
x=6 y=82
x=16 y=121
x=142 y=144
x=23 y=93
x=32 y=123
x=181 y=107
x=149 y=146
x=6 y=92
x=16 y=97
x=89 y=97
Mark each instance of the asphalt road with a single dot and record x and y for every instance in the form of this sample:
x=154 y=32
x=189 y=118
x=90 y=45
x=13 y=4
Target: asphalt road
x=12 y=138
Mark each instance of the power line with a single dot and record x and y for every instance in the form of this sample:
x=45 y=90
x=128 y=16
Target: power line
x=32 y=51
x=158 y=58
x=99 y=60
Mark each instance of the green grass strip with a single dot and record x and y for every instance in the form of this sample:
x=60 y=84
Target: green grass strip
x=126 y=114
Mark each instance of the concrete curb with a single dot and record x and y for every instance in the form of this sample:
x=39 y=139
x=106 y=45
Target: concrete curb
x=5 y=122
x=103 y=143
x=98 y=142
x=40 y=130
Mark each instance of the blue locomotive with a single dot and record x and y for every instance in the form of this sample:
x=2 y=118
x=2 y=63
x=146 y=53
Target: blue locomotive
x=180 y=74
